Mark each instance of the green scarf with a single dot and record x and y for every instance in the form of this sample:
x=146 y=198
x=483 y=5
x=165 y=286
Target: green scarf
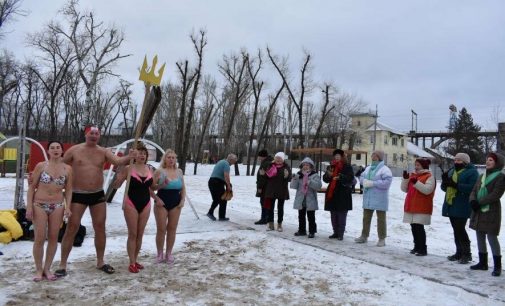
x=451 y=191
x=373 y=169
x=484 y=181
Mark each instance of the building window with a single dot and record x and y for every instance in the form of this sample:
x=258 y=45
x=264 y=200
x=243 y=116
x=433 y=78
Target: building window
x=394 y=141
x=385 y=140
x=395 y=158
x=403 y=143
x=358 y=123
x=371 y=138
x=358 y=156
x=401 y=158
x=358 y=140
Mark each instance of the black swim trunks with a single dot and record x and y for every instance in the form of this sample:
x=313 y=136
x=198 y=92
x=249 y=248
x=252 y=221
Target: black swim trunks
x=86 y=198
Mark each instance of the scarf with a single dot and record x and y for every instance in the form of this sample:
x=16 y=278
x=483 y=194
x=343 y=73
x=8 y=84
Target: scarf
x=337 y=168
x=484 y=181
x=373 y=169
x=305 y=182
x=272 y=171
x=451 y=191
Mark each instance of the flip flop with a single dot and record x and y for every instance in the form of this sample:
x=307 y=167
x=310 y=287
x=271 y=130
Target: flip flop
x=60 y=273
x=107 y=269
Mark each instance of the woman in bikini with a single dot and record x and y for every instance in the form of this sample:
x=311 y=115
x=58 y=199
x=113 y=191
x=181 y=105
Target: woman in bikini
x=48 y=199
x=137 y=204
x=169 y=182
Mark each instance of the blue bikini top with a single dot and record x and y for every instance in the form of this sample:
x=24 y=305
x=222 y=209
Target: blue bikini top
x=173 y=184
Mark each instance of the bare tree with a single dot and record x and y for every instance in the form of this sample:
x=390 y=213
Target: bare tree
x=305 y=88
x=8 y=10
x=97 y=50
x=186 y=79
x=324 y=113
x=8 y=78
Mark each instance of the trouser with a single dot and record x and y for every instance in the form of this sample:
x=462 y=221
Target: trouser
x=270 y=203
x=419 y=235
x=217 y=188
x=381 y=223
x=493 y=242
x=264 y=211
x=338 y=221
x=460 y=235
x=311 y=216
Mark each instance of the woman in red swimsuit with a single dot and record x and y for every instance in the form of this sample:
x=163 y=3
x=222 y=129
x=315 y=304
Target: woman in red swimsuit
x=137 y=205
x=46 y=204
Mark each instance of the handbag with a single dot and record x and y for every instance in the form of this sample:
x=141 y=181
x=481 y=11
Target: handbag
x=227 y=195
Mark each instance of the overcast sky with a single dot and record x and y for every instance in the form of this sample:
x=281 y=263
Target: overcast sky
x=401 y=55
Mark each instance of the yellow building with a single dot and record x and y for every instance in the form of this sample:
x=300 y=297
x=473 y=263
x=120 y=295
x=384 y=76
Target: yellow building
x=389 y=140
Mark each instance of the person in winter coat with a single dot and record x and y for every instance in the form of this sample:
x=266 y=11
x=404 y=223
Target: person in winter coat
x=458 y=183
x=486 y=216
x=279 y=175
x=338 y=198
x=261 y=181
x=376 y=181
x=306 y=182
x=420 y=188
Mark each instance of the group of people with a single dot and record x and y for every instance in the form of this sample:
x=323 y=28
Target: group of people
x=68 y=183
x=467 y=196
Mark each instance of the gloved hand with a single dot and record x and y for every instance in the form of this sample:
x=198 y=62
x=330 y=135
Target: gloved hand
x=451 y=183
x=367 y=183
x=475 y=205
x=286 y=173
x=413 y=180
x=445 y=176
x=405 y=174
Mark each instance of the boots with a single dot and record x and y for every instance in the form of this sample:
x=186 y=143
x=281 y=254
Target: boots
x=422 y=251
x=465 y=258
x=482 y=264
x=497 y=266
x=279 y=227
x=361 y=239
x=270 y=226
x=455 y=257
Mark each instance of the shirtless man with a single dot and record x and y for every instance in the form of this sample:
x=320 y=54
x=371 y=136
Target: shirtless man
x=87 y=160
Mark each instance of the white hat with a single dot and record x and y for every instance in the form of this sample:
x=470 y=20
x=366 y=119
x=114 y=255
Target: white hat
x=281 y=155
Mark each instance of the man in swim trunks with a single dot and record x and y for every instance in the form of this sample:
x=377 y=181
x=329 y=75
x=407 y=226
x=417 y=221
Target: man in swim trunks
x=87 y=160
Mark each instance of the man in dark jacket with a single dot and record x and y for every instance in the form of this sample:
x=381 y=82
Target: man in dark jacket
x=261 y=182
x=458 y=183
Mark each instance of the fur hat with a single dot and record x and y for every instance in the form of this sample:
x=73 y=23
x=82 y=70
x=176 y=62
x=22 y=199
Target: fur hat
x=281 y=155
x=424 y=162
x=339 y=152
x=463 y=156
x=263 y=153
x=307 y=160
x=379 y=153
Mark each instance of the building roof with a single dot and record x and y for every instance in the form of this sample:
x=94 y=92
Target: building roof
x=412 y=149
x=383 y=127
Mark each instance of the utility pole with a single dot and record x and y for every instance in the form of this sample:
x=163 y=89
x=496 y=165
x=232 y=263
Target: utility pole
x=375 y=128
x=20 y=163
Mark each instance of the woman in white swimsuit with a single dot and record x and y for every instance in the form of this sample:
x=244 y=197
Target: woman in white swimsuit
x=48 y=199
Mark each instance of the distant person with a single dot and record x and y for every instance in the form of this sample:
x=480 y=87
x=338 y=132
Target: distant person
x=306 y=182
x=376 y=180
x=137 y=204
x=338 y=198
x=261 y=181
x=87 y=160
x=169 y=181
x=361 y=169
x=486 y=215
x=219 y=182
x=48 y=200
x=420 y=188
x=279 y=175
x=458 y=183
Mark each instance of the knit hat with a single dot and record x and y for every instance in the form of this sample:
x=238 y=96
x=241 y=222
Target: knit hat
x=379 y=153
x=493 y=156
x=307 y=160
x=263 y=153
x=424 y=162
x=281 y=155
x=463 y=156
x=339 y=152
x=91 y=128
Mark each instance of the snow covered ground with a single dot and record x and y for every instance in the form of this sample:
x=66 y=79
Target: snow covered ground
x=237 y=262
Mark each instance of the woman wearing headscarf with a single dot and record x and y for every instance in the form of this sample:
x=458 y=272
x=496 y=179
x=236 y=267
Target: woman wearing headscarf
x=420 y=188
x=338 y=198
x=279 y=175
x=486 y=215
x=376 y=181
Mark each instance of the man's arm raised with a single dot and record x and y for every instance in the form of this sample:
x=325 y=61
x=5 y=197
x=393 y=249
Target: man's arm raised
x=116 y=160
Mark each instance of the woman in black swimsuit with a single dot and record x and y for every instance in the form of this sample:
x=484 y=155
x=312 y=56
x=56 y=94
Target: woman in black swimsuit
x=137 y=205
x=46 y=206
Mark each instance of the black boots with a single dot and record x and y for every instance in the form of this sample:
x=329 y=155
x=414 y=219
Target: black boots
x=497 y=266
x=455 y=257
x=482 y=265
x=465 y=258
x=422 y=251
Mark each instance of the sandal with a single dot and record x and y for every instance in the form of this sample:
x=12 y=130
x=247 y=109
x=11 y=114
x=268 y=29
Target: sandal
x=107 y=269
x=133 y=268
x=139 y=266
x=60 y=272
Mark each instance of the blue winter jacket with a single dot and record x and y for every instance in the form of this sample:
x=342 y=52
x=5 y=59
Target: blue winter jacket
x=460 y=207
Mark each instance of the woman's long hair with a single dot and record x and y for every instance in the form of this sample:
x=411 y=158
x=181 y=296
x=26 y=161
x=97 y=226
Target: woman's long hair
x=163 y=159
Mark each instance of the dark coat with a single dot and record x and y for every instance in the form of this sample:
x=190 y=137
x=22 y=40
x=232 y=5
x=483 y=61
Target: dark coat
x=261 y=177
x=342 y=194
x=489 y=222
x=277 y=186
x=460 y=207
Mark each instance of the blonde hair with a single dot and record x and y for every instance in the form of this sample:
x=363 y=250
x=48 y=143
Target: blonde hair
x=163 y=159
